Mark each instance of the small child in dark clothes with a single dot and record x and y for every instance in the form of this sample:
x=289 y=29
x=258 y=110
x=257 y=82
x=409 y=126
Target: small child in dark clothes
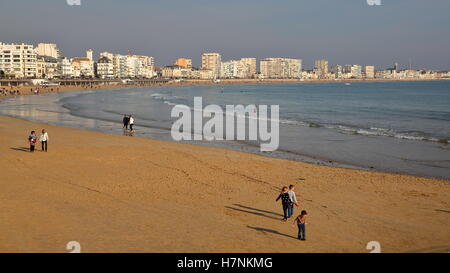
x=301 y=224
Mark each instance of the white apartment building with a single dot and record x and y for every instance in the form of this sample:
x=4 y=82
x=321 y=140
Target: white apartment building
x=281 y=68
x=66 y=67
x=321 y=68
x=370 y=71
x=131 y=66
x=211 y=61
x=356 y=71
x=248 y=67
x=230 y=69
x=105 y=68
x=49 y=50
x=47 y=67
x=18 y=60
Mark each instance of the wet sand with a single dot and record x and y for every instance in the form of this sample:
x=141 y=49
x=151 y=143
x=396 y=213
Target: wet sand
x=116 y=193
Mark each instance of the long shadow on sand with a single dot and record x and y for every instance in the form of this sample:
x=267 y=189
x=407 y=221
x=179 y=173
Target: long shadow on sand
x=260 y=210
x=260 y=229
x=21 y=149
x=253 y=212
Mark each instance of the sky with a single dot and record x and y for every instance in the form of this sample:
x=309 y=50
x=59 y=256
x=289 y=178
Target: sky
x=342 y=31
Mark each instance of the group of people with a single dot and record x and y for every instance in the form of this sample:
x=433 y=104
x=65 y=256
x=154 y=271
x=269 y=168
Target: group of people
x=288 y=201
x=32 y=139
x=12 y=92
x=128 y=123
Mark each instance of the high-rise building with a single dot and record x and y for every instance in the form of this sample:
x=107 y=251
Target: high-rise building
x=18 y=60
x=48 y=50
x=336 y=70
x=211 y=61
x=356 y=71
x=280 y=68
x=184 y=62
x=321 y=68
x=370 y=71
x=90 y=54
x=248 y=67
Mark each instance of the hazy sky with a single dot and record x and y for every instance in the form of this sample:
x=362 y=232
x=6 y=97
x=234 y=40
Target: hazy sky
x=343 y=31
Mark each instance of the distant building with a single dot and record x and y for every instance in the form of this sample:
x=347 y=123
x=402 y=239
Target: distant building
x=90 y=54
x=18 y=60
x=248 y=67
x=47 y=67
x=211 y=61
x=336 y=70
x=280 y=68
x=105 y=68
x=356 y=71
x=370 y=71
x=321 y=68
x=206 y=74
x=184 y=62
x=131 y=66
x=48 y=50
x=82 y=67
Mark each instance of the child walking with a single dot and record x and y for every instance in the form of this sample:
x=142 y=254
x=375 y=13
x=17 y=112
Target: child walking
x=285 y=202
x=32 y=140
x=301 y=224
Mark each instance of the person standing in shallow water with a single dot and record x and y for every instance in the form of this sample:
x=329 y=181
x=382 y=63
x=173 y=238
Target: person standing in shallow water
x=32 y=140
x=131 y=122
x=44 y=140
x=285 y=201
x=125 y=121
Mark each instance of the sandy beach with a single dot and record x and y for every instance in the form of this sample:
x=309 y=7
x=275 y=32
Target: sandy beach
x=114 y=193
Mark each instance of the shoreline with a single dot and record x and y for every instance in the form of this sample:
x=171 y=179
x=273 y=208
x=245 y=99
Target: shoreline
x=83 y=183
x=28 y=89
x=301 y=157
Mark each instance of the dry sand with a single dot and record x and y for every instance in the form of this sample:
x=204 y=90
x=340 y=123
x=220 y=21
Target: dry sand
x=116 y=193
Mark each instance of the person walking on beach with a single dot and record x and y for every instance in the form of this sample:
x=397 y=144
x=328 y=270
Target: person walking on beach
x=131 y=123
x=32 y=140
x=44 y=140
x=125 y=121
x=285 y=201
x=301 y=224
x=293 y=199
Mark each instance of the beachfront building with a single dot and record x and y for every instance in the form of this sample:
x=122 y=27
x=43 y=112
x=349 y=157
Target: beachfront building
x=48 y=50
x=321 y=69
x=82 y=67
x=66 y=67
x=130 y=66
x=336 y=71
x=229 y=69
x=105 y=68
x=211 y=61
x=248 y=68
x=18 y=60
x=206 y=74
x=280 y=68
x=184 y=62
x=177 y=72
x=369 y=71
x=356 y=71
x=47 y=67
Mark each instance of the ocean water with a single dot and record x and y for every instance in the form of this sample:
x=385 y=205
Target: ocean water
x=400 y=127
